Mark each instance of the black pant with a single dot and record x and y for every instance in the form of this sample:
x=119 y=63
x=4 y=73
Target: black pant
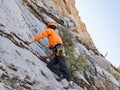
x=58 y=65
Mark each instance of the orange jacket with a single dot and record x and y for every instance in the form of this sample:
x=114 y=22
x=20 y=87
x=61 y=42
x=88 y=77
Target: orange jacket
x=52 y=36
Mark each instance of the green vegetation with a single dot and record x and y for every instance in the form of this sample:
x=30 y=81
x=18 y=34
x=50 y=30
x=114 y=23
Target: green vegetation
x=75 y=64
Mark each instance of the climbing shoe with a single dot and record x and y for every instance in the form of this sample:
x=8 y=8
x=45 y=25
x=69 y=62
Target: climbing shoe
x=70 y=86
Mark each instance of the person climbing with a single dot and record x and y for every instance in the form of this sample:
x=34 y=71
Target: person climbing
x=56 y=44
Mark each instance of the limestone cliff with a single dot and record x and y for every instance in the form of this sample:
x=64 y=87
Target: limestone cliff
x=21 y=65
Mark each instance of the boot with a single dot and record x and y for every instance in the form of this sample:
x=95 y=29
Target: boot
x=70 y=86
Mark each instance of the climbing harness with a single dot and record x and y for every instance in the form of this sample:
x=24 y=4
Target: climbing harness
x=59 y=50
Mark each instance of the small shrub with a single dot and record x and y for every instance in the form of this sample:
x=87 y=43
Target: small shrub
x=75 y=64
x=79 y=64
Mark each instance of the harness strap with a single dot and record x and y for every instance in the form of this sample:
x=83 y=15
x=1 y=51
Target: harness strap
x=59 y=50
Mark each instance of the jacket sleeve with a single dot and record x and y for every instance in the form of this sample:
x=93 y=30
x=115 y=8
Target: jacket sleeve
x=41 y=36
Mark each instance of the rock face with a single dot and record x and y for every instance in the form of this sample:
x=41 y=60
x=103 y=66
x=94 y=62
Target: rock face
x=21 y=67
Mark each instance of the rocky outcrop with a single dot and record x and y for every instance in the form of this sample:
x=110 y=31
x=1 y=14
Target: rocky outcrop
x=21 y=65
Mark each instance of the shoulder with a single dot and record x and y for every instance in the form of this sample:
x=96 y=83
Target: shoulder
x=50 y=30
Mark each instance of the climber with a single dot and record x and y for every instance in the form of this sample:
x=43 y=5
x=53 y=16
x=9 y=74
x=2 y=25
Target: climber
x=58 y=54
